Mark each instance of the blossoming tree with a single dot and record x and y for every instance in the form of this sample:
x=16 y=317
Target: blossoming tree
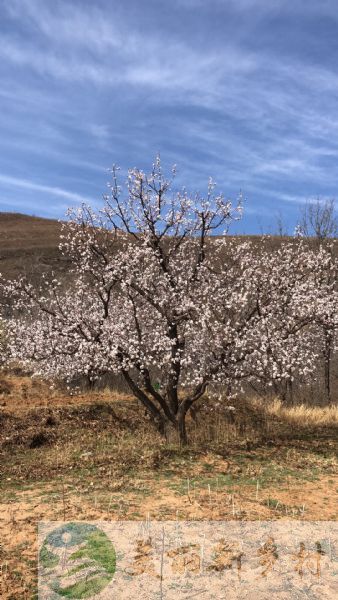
x=161 y=295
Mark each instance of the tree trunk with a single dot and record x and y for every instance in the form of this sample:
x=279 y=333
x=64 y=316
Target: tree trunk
x=181 y=428
x=159 y=407
x=327 y=365
x=328 y=380
x=289 y=392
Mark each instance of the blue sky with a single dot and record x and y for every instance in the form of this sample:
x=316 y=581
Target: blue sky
x=245 y=91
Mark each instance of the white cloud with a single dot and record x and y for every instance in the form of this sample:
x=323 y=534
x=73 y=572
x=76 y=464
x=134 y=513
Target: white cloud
x=26 y=184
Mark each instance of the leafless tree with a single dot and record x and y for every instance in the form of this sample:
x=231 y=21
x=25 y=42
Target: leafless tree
x=318 y=219
x=281 y=228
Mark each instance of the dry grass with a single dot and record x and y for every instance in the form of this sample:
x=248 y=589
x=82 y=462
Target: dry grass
x=301 y=415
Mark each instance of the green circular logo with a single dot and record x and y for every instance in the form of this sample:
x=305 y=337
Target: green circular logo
x=77 y=560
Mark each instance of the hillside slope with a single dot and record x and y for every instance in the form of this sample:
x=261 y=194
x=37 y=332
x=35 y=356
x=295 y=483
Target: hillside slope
x=29 y=244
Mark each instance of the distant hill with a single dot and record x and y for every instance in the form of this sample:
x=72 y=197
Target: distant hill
x=29 y=244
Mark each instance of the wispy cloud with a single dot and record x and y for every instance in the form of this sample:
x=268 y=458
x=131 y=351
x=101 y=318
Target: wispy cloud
x=242 y=90
x=25 y=184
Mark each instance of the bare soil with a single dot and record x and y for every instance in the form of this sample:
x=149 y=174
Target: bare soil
x=95 y=456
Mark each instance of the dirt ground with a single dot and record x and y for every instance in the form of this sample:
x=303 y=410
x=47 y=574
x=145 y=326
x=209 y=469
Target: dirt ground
x=95 y=457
